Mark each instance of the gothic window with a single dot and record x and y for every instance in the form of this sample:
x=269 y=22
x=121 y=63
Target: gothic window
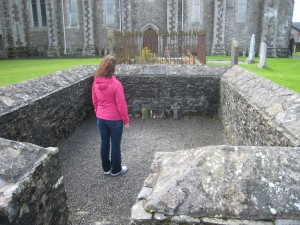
x=242 y=11
x=39 y=14
x=196 y=15
x=34 y=13
x=73 y=13
x=110 y=19
x=43 y=13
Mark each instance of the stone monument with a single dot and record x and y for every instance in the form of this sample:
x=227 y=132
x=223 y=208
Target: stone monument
x=234 y=52
x=145 y=113
x=175 y=107
x=252 y=50
x=262 y=56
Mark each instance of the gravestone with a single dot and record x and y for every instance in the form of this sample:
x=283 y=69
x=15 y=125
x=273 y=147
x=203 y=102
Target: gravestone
x=234 y=52
x=175 y=107
x=252 y=50
x=145 y=113
x=262 y=56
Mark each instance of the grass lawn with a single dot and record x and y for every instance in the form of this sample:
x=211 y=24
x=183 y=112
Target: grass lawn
x=283 y=71
x=14 y=71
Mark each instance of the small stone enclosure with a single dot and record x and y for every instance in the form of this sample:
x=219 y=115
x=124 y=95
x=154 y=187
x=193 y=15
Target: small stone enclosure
x=35 y=114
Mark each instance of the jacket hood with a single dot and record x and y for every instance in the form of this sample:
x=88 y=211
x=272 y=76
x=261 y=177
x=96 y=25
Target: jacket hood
x=103 y=82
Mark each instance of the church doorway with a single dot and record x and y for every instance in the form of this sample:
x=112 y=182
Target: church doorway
x=150 y=40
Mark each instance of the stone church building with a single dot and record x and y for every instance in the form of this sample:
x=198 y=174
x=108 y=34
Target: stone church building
x=69 y=27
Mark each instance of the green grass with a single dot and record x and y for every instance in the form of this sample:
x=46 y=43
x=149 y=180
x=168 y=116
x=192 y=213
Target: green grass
x=283 y=71
x=14 y=71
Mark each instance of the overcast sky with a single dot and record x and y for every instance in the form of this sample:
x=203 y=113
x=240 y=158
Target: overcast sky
x=296 y=15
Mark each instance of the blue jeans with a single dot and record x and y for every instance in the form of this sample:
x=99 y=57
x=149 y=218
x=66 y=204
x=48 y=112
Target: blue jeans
x=111 y=134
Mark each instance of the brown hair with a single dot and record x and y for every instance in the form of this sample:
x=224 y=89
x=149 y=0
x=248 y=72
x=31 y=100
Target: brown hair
x=107 y=66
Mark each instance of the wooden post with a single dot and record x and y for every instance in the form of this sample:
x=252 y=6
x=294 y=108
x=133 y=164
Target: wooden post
x=201 y=47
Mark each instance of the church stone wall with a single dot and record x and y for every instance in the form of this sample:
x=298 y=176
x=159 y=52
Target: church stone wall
x=242 y=32
x=147 y=12
x=269 y=20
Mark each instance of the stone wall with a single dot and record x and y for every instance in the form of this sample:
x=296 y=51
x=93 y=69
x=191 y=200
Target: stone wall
x=194 y=88
x=256 y=111
x=31 y=185
x=48 y=108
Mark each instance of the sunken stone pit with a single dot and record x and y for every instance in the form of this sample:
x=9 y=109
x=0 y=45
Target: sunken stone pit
x=255 y=181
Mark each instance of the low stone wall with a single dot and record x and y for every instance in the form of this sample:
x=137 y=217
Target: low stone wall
x=157 y=87
x=256 y=111
x=47 y=108
x=31 y=185
x=228 y=185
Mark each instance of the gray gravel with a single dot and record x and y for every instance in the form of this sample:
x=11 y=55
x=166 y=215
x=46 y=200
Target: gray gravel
x=99 y=200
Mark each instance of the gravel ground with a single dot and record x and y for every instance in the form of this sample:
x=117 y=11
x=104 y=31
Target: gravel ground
x=100 y=200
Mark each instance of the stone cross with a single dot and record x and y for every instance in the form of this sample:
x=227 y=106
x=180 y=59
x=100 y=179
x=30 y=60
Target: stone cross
x=252 y=50
x=262 y=56
x=234 y=52
x=175 y=107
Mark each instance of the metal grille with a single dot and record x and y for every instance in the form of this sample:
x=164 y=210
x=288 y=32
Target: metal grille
x=161 y=48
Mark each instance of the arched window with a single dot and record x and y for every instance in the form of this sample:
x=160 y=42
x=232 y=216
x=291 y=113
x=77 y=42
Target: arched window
x=39 y=14
x=196 y=13
x=110 y=18
x=73 y=13
x=242 y=11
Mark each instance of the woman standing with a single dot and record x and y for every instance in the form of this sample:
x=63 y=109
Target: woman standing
x=112 y=114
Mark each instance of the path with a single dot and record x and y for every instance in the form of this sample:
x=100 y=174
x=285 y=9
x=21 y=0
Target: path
x=99 y=200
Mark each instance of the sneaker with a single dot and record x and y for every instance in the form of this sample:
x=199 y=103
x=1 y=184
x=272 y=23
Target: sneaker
x=107 y=173
x=124 y=170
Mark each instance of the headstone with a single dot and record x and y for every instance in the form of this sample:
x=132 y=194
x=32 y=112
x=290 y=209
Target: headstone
x=175 y=107
x=244 y=53
x=234 y=52
x=145 y=113
x=252 y=50
x=163 y=115
x=262 y=56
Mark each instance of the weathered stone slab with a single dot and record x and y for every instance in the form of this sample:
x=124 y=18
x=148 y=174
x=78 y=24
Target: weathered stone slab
x=287 y=222
x=210 y=221
x=138 y=213
x=248 y=183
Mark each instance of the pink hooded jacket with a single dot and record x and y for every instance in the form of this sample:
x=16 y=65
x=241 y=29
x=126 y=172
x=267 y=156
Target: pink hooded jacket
x=109 y=99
